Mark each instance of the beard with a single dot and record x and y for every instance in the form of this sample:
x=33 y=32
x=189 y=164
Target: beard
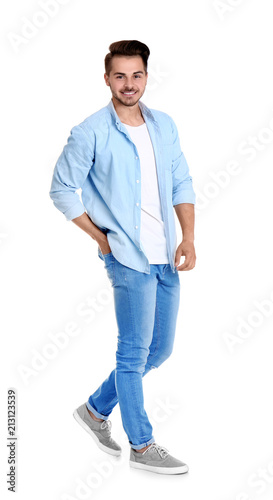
x=125 y=101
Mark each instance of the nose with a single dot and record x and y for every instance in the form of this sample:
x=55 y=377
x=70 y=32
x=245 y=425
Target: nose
x=129 y=83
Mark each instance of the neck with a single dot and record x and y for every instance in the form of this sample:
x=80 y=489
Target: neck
x=128 y=114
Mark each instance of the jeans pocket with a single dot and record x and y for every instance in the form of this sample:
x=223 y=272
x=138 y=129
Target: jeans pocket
x=106 y=254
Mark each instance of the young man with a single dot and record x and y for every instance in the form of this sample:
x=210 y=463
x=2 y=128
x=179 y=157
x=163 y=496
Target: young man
x=127 y=160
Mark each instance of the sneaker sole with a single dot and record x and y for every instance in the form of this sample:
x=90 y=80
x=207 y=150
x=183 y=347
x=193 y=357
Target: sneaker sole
x=159 y=470
x=96 y=439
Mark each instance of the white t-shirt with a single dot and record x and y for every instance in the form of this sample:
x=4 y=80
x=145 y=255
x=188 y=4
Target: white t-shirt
x=152 y=233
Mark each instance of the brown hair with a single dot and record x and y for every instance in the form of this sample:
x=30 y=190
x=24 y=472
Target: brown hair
x=126 y=48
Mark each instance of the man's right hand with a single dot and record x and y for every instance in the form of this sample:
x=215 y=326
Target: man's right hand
x=102 y=241
x=84 y=222
x=104 y=246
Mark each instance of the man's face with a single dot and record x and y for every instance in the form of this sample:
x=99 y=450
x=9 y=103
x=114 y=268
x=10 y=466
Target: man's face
x=127 y=79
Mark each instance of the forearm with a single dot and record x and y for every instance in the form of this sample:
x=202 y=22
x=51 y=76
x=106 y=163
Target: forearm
x=186 y=217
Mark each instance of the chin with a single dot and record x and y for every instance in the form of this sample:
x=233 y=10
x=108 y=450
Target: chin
x=128 y=102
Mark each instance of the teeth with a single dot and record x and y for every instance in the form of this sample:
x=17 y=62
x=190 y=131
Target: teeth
x=128 y=93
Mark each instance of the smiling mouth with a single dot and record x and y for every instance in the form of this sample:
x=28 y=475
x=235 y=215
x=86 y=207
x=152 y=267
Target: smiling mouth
x=128 y=94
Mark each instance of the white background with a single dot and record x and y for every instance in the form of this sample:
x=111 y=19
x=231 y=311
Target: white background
x=211 y=402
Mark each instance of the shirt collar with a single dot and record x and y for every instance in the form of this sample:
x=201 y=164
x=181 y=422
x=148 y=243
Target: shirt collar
x=144 y=109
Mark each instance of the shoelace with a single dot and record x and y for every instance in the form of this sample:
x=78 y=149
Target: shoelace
x=163 y=452
x=106 y=424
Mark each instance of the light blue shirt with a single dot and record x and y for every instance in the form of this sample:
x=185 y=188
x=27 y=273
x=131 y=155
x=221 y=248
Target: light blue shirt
x=101 y=160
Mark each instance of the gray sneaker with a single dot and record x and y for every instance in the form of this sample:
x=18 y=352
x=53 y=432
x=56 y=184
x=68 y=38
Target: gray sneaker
x=157 y=459
x=99 y=431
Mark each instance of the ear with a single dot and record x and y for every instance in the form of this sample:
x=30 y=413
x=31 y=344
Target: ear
x=106 y=78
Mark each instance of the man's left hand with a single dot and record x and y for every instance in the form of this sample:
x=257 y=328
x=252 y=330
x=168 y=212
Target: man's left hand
x=185 y=249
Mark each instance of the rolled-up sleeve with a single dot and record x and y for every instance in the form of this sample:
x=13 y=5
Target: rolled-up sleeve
x=71 y=171
x=183 y=191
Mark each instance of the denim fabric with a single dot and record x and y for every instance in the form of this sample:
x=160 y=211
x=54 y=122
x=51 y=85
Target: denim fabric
x=146 y=308
x=101 y=160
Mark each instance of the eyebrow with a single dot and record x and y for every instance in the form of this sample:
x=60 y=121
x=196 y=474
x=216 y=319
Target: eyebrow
x=118 y=73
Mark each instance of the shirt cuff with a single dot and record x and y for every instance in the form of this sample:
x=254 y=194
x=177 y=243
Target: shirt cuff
x=75 y=211
x=184 y=197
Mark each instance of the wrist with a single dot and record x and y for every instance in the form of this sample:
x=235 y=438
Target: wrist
x=99 y=237
x=187 y=238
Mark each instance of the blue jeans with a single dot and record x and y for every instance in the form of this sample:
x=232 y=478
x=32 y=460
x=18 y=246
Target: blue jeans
x=146 y=308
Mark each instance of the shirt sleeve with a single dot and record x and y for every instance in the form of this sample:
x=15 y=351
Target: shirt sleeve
x=71 y=171
x=182 y=181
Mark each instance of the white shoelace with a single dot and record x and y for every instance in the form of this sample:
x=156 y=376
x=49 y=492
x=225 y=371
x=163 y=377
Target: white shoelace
x=106 y=424
x=163 y=452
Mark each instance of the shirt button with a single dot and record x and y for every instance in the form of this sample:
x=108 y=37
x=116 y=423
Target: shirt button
x=136 y=227
x=136 y=157
x=137 y=204
x=137 y=180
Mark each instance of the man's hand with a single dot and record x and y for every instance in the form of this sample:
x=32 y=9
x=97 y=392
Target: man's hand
x=185 y=249
x=84 y=222
x=102 y=241
x=104 y=245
